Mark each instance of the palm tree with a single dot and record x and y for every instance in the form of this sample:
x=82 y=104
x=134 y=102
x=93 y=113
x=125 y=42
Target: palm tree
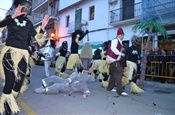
x=150 y=27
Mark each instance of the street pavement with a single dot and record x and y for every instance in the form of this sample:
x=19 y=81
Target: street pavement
x=158 y=99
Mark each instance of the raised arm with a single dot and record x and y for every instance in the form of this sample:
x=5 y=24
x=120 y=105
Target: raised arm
x=40 y=34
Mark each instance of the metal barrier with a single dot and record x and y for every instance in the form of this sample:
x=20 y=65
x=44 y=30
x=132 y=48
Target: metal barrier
x=161 y=70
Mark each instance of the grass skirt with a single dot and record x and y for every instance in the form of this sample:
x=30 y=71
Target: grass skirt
x=60 y=62
x=74 y=61
x=9 y=98
x=16 y=55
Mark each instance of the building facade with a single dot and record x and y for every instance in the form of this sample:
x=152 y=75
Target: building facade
x=101 y=17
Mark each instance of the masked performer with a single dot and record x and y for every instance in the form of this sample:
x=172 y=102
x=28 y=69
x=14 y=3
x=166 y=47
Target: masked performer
x=95 y=62
x=74 y=59
x=132 y=60
x=103 y=70
x=55 y=84
x=48 y=52
x=14 y=56
x=60 y=64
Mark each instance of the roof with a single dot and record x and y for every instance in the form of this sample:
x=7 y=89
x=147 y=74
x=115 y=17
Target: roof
x=71 y=6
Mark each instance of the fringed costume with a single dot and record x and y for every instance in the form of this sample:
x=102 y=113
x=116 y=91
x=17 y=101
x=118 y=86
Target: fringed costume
x=74 y=59
x=93 y=68
x=103 y=71
x=32 y=61
x=132 y=58
x=14 y=58
x=60 y=64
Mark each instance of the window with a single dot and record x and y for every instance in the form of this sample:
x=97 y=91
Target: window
x=52 y=9
x=67 y=21
x=128 y=9
x=91 y=13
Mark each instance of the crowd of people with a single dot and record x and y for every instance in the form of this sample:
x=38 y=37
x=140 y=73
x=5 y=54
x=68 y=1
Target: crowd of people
x=158 y=60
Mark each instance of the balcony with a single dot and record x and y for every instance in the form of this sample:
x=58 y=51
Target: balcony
x=125 y=16
x=38 y=3
x=38 y=17
x=73 y=26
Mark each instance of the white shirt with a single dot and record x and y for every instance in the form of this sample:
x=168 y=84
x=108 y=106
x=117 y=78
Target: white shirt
x=114 y=44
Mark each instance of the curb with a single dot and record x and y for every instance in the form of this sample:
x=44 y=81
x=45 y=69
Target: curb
x=160 y=85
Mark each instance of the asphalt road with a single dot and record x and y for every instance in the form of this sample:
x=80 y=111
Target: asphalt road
x=156 y=100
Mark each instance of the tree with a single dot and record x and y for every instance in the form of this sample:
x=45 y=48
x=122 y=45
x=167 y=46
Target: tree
x=149 y=27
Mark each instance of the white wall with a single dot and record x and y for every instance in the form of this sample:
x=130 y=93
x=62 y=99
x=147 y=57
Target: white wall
x=99 y=28
x=66 y=3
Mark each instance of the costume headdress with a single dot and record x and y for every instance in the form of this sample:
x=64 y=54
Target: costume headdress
x=26 y=3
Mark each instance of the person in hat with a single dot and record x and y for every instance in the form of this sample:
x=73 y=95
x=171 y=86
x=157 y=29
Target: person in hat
x=14 y=56
x=114 y=55
x=74 y=59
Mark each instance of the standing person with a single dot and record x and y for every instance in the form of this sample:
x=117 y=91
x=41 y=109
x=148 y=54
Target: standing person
x=163 y=59
x=60 y=63
x=114 y=55
x=132 y=60
x=132 y=65
x=172 y=66
x=48 y=52
x=14 y=56
x=74 y=59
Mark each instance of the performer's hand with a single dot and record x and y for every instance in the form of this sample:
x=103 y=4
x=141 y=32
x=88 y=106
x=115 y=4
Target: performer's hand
x=122 y=54
x=126 y=68
x=123 y=49
x=84 y=96
x=87 y=31
x=18 y=12
x=66 y=85
x=45 y=22
x=35 y=57
x=138 y=61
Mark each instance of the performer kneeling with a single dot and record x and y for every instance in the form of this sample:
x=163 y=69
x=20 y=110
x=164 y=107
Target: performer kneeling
x=60 y=64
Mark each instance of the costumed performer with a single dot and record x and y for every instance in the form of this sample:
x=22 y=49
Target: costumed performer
x=60 y=64
x=14 y=56
x=48 y=51
x=132 y=60
x=74 y=59
x=77 y=83
x=103 y=68
x=95 y=62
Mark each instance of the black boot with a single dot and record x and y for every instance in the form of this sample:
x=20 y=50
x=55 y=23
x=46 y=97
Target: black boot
x=7 y=109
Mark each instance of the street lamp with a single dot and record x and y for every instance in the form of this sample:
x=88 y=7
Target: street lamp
x=52 y=35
